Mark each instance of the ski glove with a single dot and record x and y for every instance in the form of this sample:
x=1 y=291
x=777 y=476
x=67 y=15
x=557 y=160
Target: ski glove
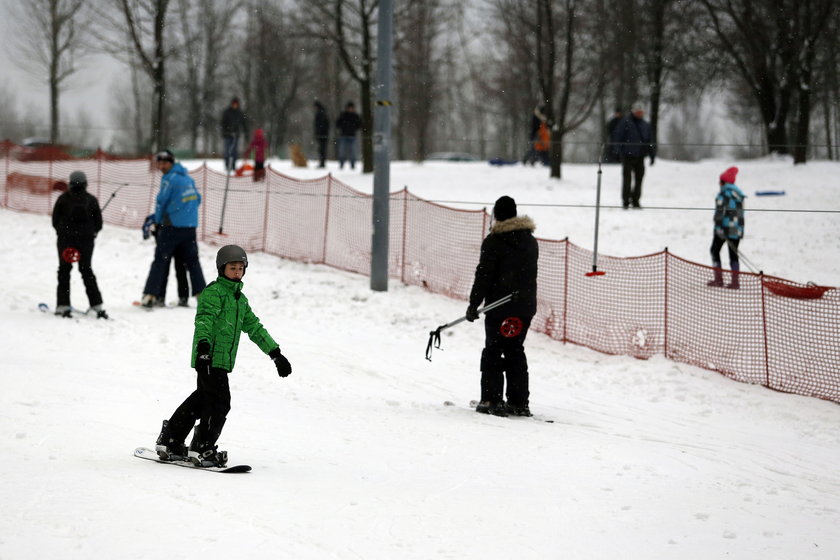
x=472 y=313
x=202 y=355
x=284 y=368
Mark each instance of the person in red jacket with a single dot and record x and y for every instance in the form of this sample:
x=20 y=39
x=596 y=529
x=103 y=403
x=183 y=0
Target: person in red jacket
x=259 y=145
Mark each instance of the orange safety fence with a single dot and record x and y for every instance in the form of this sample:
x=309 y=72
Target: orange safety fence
x=773 y=332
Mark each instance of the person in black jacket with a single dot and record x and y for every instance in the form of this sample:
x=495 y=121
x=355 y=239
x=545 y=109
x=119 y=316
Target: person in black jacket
x=508 y=264
x=633 y=139
x=77 y=219
x=348 y=123
x=232 y=124
x=322 y=132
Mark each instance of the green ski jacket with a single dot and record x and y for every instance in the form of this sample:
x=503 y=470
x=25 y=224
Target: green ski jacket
x=223 y=314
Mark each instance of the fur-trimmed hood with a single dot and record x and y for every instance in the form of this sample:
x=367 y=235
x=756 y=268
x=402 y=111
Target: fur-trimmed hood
x=513 y=224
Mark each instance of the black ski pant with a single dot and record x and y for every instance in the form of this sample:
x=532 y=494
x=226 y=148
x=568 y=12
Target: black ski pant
x=208 y=405
x=731 y=245
x=504 y=357
x=632 y=173
x=84 y=245
x=169 y=241
x=180 y=277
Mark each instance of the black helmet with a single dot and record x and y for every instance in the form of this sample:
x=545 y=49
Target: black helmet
x=230 y=253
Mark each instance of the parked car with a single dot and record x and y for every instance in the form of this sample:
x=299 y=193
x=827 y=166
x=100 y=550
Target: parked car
x=39 y=149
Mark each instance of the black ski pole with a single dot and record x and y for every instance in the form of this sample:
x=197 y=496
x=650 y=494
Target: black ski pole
x=434 y=336
x=113 y=194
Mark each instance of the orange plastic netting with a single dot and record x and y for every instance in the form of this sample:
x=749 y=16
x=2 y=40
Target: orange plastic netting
x=771 y=331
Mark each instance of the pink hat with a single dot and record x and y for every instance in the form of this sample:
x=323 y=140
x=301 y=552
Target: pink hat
x=728 y=176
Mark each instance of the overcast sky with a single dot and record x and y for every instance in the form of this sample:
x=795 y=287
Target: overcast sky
x=87 y=90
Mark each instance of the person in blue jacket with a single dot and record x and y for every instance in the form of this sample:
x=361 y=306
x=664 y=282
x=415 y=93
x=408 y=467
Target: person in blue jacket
x=729 y=227
x=176 y=219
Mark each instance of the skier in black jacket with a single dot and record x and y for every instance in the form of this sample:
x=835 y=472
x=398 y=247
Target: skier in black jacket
x=508 y=263
x=77 y=219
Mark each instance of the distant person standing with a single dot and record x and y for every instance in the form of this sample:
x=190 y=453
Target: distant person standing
x=232 y=125
x=611 y=154
x=729 y=227
x=322 y=132
x=77 y=219
x=176 y=219
x=348 y=124
x=538 y=121
x=633 y=139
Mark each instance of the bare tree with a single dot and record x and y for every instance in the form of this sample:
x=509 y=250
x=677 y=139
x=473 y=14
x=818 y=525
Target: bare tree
x=349 y=26
x=150 y=43
x=51 y=45
x=418 y=25
x=771 y=46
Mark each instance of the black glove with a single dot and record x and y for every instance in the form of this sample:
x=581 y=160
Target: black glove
x=202 y=355
x=284 y=368
x=472 y=313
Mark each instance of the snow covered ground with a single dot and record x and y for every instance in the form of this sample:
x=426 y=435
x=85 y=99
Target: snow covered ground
x=354 y=454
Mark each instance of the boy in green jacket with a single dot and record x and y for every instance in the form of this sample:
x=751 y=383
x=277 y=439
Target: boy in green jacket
x=222 y=315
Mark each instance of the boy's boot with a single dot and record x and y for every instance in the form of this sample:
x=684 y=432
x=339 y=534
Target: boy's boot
x=64 y=311
x=202 y=454
x=735 y=283
x=718 y=280
x=167 y=448
x=518 y=410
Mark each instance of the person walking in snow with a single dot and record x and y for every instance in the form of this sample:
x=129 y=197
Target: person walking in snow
x=729 y=227
x=150 y=230
x=222 y=315
x=77 y=219
x=633 y=139
x=321 y=127
x=348 y=124
x=176 y=219
x=507 y=264
x=259 y=145
x=232 y=124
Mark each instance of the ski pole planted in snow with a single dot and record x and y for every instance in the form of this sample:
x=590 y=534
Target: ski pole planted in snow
x=434 y=336
x=224 y=204
x=595 y=271
x=113 y=194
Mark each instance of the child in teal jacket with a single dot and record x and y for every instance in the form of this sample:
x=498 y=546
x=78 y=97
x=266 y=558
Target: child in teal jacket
x=223 y=313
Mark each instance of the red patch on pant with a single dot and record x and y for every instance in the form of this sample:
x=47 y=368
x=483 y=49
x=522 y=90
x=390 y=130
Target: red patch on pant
x=71 y=255
x=511 y=327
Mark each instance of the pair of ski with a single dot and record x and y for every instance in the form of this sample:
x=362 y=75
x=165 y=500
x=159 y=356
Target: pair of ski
x=474 y=404
x=151 y=455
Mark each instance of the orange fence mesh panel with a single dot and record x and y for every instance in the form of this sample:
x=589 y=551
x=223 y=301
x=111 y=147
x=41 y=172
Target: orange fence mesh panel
x=771 y=331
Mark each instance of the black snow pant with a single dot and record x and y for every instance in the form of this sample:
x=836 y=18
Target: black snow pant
x=209 y=404
x=631 y=191
x=504 y=357
x=180 y=276
x=84 y=245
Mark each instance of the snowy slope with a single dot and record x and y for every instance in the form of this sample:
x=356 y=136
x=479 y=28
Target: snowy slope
x=354 y=455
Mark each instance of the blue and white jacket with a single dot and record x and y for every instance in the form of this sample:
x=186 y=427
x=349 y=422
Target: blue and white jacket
x=178 y=199
x=729 y=212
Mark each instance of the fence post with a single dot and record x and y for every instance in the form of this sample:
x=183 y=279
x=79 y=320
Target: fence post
x=404 y=233
x=204 y=170
x=265 y=216
x=764 y=331
x=565 y=288
x=98 y=156
x=327 y=218
x=665 y=321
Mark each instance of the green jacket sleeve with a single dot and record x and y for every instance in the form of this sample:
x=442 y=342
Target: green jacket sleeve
x=256 y=332
x=209 y=307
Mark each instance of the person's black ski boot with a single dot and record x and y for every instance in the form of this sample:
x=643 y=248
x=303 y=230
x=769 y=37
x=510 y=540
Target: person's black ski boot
x=202 y=454
x=169 y=449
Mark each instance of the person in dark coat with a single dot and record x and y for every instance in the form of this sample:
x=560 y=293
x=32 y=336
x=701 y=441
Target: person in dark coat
x=507 y=264
x=611 y=154
x=634 y=141
x=77 y=219
x=232 y=124
x=729 y=227
x=176 y=220
x=322 y=132
x=348 y=124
